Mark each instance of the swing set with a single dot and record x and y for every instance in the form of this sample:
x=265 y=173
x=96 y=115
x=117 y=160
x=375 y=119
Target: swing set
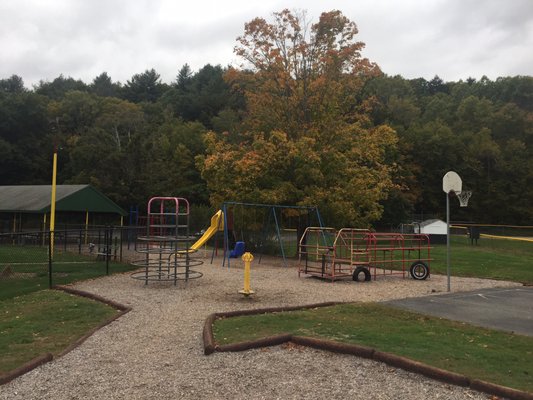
x=265 y=228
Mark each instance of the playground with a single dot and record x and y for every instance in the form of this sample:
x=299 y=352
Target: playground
x=156 y=350
x=167 y=251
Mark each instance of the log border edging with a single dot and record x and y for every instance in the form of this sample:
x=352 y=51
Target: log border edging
x=27 y=367
x=209 y=340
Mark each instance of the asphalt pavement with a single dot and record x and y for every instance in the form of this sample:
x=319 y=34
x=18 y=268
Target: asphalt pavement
x=506 y=309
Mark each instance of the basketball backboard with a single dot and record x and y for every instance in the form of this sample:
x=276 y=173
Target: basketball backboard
x=452 y=182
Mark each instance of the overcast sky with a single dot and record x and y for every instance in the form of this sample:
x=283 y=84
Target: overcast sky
x=454 y=39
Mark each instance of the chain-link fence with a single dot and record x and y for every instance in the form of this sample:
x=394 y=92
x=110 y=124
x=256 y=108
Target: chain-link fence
x=31 y=261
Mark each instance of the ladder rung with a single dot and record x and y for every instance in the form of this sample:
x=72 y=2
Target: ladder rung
x=174 y=214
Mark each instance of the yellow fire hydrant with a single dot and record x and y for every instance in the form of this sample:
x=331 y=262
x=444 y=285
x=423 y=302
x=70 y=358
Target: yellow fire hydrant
x=247 y=258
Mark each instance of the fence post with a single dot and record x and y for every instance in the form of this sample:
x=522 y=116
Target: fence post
x=108 y=242
x=49 y=260
x=121 y=242
x=113 y=241
x=79 y=243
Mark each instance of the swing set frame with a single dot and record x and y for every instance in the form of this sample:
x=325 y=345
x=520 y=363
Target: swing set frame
x=271 y=213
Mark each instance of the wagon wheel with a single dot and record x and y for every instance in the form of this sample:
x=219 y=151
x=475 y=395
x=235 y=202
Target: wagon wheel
x=357 y=274
x=419 y=270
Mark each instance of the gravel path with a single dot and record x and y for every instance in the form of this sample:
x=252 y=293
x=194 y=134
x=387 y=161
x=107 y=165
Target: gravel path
x=156 y=352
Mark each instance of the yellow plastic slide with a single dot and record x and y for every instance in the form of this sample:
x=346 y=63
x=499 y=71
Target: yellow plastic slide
x=217 y=224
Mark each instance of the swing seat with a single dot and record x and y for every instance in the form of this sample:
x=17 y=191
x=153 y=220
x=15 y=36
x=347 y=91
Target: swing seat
x=237 y=251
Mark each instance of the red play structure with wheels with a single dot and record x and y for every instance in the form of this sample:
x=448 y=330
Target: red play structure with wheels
x=363 y=255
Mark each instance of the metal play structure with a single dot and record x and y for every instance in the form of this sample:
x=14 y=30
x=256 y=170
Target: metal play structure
x=167 y=253
x=267 y=227
x=361 y=254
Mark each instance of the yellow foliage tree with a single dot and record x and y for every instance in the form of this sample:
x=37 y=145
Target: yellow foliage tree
x=307 y=140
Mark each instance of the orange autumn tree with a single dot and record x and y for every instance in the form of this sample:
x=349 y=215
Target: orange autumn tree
x=305 y=138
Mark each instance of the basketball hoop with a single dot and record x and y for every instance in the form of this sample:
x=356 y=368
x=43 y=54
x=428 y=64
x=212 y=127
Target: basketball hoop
x=463 y=197
x=451 y=182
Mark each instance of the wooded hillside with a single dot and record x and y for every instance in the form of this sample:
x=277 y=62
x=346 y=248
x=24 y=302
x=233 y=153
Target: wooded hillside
x=305 y=120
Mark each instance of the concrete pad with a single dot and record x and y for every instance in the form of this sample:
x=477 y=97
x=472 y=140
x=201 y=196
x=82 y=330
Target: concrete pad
x=506 y=309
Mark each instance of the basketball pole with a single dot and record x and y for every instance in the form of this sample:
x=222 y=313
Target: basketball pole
x=451 y=182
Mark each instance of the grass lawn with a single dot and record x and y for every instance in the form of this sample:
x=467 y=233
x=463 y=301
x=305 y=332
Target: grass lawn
x=30 y=254
x=494 y=356
x=46 y=321
x=491 y=258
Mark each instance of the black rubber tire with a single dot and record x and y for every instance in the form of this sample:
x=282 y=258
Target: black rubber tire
x=419 y=270
x=358 y=271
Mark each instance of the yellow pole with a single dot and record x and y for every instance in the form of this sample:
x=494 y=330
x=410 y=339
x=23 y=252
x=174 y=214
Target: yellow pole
x=53 y=204
x=86 y=224
x=121 y=220
x=247 y=258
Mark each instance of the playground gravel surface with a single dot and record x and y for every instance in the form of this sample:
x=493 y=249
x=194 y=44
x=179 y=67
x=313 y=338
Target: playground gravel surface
x=156 y=351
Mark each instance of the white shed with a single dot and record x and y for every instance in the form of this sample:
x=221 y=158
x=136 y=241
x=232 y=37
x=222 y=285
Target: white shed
x=432 y=227
x=435 y=228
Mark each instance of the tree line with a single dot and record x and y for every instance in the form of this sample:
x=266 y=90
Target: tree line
x=304 y=120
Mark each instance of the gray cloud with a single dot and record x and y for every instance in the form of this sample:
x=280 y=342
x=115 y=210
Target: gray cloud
x=454 y=39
